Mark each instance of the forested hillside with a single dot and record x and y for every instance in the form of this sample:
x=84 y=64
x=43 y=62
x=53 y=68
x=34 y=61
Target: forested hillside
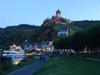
x=45 y=32
x=88 y=38
x=16 y=34
x=84 y=23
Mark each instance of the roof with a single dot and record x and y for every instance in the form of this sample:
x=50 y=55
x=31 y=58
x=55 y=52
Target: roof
x=58 y=11
x=65 y=29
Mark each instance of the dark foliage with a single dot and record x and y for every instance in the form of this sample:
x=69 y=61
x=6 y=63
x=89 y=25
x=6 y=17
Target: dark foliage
x=84 y=23
x=89 y=37
x=16 y=34
x=46 y=32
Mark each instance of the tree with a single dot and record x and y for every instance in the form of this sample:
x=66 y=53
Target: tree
x=92 y=35
x=78 y=42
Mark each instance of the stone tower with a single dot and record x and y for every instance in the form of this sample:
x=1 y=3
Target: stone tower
x=58 y=14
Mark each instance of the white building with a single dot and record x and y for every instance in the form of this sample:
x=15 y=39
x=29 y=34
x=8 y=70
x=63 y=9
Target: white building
x=63 y=32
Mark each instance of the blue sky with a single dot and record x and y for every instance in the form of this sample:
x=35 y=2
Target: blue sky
x=34 y=12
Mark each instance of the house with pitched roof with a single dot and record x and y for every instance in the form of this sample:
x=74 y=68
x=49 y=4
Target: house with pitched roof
x=63 y=32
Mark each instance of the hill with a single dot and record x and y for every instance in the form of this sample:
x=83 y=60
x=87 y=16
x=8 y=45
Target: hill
x=46 y=32
x=85 y=23
x=58 y=26
x=16 y=34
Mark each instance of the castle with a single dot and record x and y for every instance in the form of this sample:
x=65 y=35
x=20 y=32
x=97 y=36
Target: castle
x=57 y=19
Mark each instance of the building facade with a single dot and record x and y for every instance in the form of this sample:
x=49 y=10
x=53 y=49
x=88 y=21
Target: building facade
x=63 y=32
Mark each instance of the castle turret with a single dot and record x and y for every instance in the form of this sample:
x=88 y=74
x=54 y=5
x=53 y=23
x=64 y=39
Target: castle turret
x=57 y=19
x=58 y=13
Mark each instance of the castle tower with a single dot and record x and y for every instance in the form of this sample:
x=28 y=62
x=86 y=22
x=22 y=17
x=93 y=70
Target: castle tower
x=58 y=14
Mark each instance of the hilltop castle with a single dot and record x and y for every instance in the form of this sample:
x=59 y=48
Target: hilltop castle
x=57 y=19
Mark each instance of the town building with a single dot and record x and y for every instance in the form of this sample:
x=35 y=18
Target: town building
x=43 y=46
x=63 y=32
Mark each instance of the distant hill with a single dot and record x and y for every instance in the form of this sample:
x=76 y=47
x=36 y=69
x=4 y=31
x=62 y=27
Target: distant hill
x=85 y=23
x=22 y=27
x=46 y=32
x=16 y=34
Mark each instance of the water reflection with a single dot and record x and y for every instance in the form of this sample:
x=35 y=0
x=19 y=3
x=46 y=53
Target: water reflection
x=16 y=59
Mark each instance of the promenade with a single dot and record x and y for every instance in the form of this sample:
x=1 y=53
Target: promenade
x=30 y=69
x=90 y=58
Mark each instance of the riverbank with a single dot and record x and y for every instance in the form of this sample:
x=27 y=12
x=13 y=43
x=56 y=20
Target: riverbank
x=31 y=68
x=69 y=66
x=8 y=67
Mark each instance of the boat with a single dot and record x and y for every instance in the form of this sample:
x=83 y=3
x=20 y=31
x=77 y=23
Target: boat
x=14 y=52
x=10 y=54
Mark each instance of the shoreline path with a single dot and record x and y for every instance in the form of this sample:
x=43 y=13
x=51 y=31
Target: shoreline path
x=30 y=69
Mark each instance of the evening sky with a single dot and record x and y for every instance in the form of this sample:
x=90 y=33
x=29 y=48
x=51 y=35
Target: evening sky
x=34 y=12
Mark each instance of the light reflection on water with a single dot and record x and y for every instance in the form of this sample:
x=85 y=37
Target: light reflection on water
x=16 y=60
